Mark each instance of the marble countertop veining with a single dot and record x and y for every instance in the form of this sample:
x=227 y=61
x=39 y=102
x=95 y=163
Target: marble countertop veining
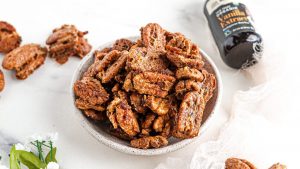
x=42 y=103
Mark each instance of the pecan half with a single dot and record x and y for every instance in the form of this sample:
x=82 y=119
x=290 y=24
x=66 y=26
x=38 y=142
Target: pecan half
x=158 y=105
x=189 y=116
x=67 y=41
x=182 y=52
x=84 y=105
x=127 y=119
x=25 y=59
x=9 y=38
x=189 y=73
x=152 y=83
x=91 y=91
x=140 y=59
x=109 y=66
x=184 y=86
x=137 y=102
x=235 y=163
x=122 y=44
x=153 y=37
x=149 y=142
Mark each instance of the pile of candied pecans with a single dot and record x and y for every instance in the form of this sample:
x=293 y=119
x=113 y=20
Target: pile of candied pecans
x=149 y=90
x=64 y=42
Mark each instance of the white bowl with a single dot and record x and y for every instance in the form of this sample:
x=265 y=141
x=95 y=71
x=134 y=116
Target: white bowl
x=124 y=146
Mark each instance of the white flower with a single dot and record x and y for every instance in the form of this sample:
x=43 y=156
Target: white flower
x=36 y=137
x=52 y=165
x=20 y=146
x=51 y=137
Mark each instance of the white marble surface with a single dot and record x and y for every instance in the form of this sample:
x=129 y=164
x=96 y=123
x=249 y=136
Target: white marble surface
x=42 y=102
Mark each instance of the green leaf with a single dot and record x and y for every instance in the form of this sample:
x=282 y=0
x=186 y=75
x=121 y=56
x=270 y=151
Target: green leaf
x=13 y=159
x=30 y=160
x=51 y=156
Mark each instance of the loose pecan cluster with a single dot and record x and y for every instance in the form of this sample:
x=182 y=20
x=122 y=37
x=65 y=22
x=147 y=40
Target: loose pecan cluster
x=236 y=163
x=149 y=90
x=65 y=41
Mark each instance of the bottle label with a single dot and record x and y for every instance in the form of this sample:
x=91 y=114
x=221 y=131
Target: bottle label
x=232 y=17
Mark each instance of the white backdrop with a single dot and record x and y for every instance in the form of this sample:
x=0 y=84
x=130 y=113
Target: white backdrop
x=42 y=103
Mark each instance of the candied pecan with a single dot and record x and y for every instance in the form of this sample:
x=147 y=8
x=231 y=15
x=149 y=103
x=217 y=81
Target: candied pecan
x=160 y=122
x=107 y=68
x=152 y=83
x=278 y=166
x=182 y=52
x=158 y=105
x=9 y=38
x=84 y=105
x=209 y=85
x=122 y=44
x=147 y=123
x=95 y=115
x=235 y=163
x=91 y=91
x=67 y=41
x=113 y=70
x=184 y=86
x=189 y=116
x=128 y=86
x=99 y=54
x=126 y=119
x=140 y=59
x=149 y=142
x=2 y=81
x=111 y=111
x=25 y=59
x=153 y=37
x=137 y=101
x=166 y=131
x=189 y=73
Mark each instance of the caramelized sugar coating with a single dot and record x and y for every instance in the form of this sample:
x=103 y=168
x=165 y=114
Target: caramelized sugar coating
x=9 y=38
x=2 y=81
x=138 y=102
x=158 y=105
x=149 y=142
x=122 y=44
x=153 y=37
x=25 y=59
x=67 y=41
x=152 y=83
x=188 y=119
x=235 y=163
x=182 y=52
x=149 y=90
x=189 y=73
x=91 y=91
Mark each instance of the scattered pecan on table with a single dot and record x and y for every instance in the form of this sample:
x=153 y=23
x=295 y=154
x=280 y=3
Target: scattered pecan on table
x=9 y=38
x=25 y=59
x=67 y=41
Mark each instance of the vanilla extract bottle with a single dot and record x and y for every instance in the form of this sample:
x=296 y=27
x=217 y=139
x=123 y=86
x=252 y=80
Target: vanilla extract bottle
x=231 y=24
